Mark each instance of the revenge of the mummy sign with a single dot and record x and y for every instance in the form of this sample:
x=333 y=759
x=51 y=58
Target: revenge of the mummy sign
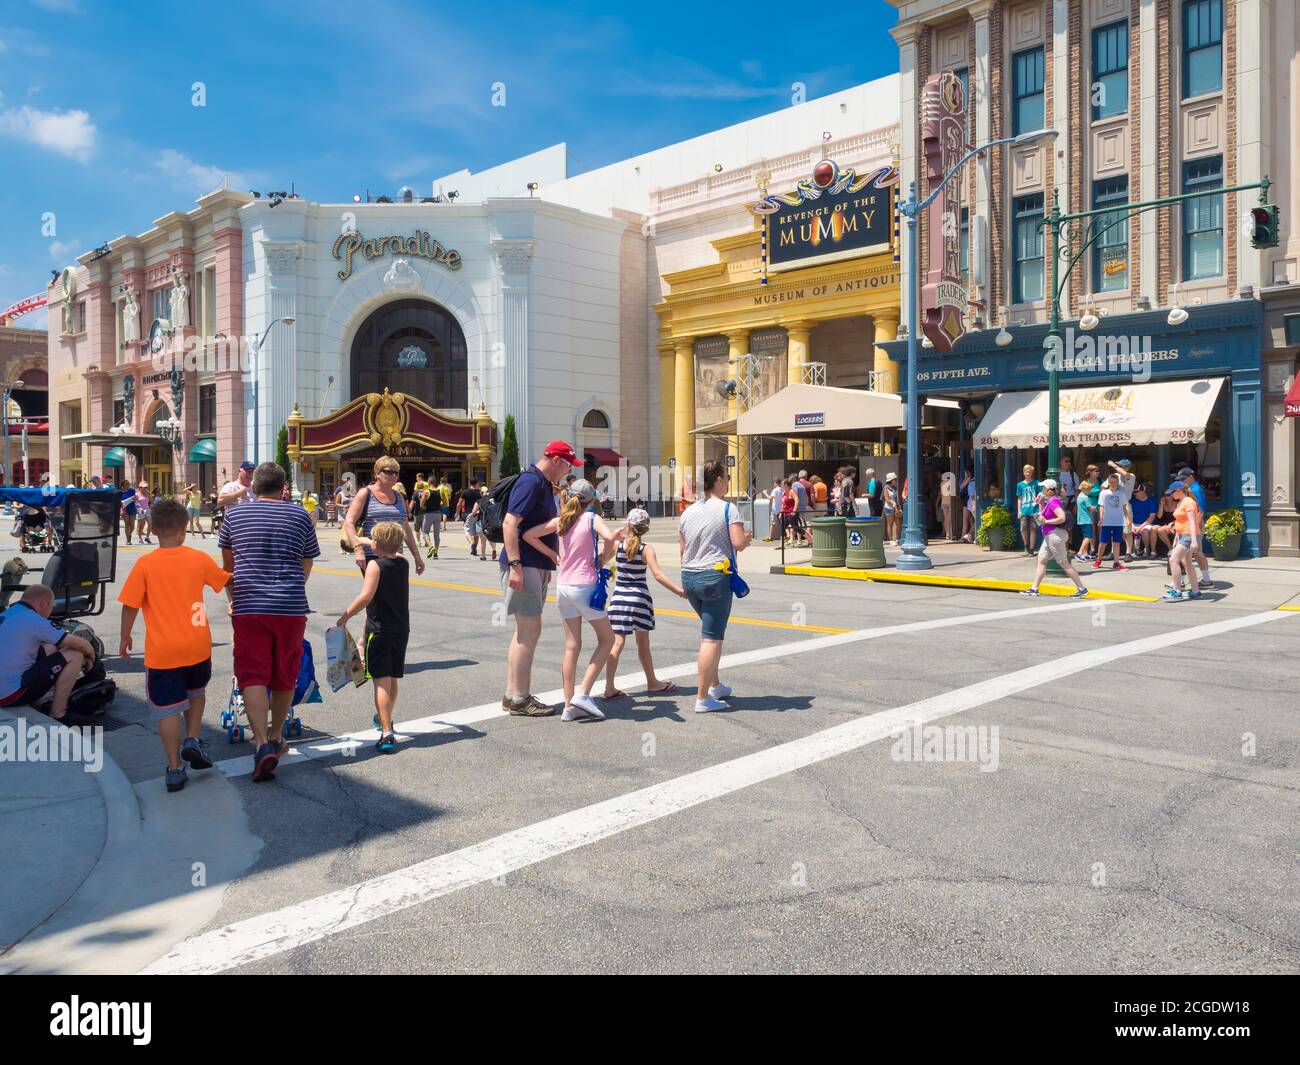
x=838 y=214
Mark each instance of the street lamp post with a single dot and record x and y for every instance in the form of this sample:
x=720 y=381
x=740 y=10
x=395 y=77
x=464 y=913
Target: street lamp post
x=255 y=349
x=913 y=542
x=8 y=391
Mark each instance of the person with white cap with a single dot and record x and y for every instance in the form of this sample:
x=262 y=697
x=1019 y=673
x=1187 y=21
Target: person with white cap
x=1056 y=541
x=586 y=544
x=892 y=510
x=631 y=608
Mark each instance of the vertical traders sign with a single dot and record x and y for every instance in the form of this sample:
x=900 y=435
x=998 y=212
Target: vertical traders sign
x=834 y=214
x=943 y=127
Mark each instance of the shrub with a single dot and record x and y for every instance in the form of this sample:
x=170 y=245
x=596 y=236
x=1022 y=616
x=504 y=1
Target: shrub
x=1001 y=518
x=1218 y=527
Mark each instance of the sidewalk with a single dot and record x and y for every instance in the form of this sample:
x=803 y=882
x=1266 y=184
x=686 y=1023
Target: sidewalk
x=99 y=876
x=1255 y=583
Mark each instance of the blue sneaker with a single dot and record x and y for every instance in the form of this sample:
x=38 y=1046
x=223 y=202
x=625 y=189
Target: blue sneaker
x=1079 y=593
x=265 y=762
x=176 y=778
x=387 y=743
x=1173 y=596
x=196 y=752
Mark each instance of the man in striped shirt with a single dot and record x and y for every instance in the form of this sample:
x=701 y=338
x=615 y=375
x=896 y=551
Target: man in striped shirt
x=268 y=545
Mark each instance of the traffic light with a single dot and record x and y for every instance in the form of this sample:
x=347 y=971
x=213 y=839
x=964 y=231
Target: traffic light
x=1263 y=230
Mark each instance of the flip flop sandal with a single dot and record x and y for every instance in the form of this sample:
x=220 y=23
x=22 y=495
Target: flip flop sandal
x=668 y=689
x=617 y=695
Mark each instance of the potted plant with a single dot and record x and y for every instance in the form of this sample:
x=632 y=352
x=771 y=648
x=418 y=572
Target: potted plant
x=997 y=532
x=1224 y=530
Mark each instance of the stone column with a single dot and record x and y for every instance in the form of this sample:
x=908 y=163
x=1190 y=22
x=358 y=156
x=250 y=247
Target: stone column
x=885 y=368
x=666 y=418
x=796 y=358
x=1281 y=520
x=737 y=348
x=513 y=260
x=684 y=409
x=231 y=402
x=276 y=368
x=981 y=87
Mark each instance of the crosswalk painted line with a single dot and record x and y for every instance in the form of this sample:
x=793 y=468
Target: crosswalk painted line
x=305 y=922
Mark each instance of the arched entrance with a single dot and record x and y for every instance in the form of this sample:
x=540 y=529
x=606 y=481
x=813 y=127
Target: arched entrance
x=415 y=347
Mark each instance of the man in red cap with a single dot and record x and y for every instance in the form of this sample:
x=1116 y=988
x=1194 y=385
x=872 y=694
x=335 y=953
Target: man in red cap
x=526 y=572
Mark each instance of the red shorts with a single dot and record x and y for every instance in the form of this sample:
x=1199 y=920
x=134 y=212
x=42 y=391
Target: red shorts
x=268 y=650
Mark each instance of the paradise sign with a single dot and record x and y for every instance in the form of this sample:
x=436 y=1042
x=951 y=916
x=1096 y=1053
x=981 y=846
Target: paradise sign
x=420 y=245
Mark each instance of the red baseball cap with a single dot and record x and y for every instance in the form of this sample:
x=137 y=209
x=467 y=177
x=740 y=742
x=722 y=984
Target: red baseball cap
x=558 y=449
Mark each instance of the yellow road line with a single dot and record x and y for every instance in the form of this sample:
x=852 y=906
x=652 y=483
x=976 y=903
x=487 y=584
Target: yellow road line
x=942 y=581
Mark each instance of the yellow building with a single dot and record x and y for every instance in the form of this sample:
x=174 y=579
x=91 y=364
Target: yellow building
x=812 y=313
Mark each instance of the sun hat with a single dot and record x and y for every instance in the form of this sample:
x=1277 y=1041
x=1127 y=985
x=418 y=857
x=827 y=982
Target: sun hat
x=891 y=477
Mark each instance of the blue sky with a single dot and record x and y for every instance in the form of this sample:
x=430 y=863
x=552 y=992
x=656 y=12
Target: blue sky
x=98 y=124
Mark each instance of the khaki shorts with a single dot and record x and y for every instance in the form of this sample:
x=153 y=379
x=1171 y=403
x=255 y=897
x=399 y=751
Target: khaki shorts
x=1055 y=545
x=531 y=598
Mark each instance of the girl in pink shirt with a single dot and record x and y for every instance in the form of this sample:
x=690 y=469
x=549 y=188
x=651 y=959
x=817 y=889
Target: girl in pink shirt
x=586 y=545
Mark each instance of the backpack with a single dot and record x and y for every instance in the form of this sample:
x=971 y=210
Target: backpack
x=492 y=509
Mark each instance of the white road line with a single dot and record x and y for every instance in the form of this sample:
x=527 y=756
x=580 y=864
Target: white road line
x=350 y=742
x=312 y=919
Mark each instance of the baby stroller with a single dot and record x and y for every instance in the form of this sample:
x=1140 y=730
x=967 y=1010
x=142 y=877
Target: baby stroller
x=35 y=531
x=305 y=691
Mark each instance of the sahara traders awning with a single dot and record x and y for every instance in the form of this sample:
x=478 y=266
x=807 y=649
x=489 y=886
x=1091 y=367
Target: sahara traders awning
x=1158 y=412
x=204 y=450
x=115 y=456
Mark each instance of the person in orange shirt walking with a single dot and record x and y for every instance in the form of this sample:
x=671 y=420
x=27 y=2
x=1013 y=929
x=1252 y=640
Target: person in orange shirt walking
x=167 y=584
x=1187 y=531
x=820 y=496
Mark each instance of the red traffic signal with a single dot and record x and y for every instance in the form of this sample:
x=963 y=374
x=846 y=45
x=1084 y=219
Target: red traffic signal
x=1263 y=230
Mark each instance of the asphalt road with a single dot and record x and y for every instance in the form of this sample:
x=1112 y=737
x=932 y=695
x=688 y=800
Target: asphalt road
x=1137 y=809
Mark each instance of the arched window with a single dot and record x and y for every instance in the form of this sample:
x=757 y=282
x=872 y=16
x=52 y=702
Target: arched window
x=595 y=419
x=412 y=346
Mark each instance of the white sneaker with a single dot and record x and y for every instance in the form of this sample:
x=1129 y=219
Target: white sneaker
x=703 y=706
x=583 y=706
x=720 y=691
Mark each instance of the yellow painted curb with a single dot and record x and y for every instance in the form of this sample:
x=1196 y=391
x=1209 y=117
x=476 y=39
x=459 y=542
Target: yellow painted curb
x=936 y=580
x=1289 y=608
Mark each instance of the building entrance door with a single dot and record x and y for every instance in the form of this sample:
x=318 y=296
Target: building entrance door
x=158 y=473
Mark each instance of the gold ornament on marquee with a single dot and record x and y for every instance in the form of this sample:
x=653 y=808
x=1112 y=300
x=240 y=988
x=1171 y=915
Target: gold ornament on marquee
x=388 y=416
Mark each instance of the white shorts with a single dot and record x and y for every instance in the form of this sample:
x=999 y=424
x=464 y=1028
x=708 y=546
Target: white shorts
x=575 y=602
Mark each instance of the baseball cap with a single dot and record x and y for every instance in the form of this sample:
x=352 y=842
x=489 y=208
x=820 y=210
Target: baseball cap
x=1049 y=483
x=246 y=465
x=558 y=449
x=637 y=516
x=582 y=488
x=1186 y=471
x=1125 y=463
x=1177 y=486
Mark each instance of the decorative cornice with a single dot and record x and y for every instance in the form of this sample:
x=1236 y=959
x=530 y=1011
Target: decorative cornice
x=513 y=256
x=282 y=258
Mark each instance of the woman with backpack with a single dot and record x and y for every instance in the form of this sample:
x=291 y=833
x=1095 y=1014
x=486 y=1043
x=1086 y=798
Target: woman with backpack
x=378 y=501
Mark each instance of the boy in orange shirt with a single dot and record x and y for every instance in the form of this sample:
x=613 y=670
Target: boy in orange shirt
x=168 y=585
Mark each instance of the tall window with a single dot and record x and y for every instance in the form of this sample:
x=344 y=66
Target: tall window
x=1203 y=220
x=1110 y=252
x=1202 y=47
x=963 y=75
x=207 y=408
x=1027 y=91
x=965 y=248
x=119 y=411
x=160 y=305
x=209 y=302
x=1109 y=90
x=1027 y=250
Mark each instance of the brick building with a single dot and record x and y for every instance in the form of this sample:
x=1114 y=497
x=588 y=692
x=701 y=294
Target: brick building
x=1148 y=99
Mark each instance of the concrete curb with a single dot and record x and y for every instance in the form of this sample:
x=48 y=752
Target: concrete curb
x=146 y=892
x=935 y=580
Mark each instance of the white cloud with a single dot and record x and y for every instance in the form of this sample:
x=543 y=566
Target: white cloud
x=69 y=133
x=65 y=251
x=190 y=176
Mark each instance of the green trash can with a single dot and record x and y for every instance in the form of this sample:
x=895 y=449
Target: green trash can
x=866 y=547
x=828 y=541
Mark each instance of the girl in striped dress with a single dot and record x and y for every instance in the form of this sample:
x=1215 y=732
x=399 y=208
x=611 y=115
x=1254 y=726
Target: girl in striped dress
x=631 y=610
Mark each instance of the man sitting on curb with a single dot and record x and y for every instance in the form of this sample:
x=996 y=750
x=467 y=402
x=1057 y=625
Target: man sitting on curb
x=36 y=655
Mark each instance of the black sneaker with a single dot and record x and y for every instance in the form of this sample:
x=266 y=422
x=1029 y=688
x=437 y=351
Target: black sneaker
x=196 y=752
x=265 y=761
x=176 y=778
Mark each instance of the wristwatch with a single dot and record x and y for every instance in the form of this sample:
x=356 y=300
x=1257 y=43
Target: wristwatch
x=514 y=562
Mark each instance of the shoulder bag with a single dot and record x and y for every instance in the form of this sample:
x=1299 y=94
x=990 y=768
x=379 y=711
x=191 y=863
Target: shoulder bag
x=738 y=586
x=599 y=594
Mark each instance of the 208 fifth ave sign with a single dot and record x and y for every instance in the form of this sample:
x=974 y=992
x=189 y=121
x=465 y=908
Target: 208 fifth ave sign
x=420 y=245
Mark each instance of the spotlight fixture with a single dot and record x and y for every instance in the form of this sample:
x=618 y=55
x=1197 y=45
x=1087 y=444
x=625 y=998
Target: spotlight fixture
x=255 y=194
x=1004 y=336
x=356 y=197
x=383 y=199
x=726 y=389
x=533 y=186
x=452 y=196
x=717 y=168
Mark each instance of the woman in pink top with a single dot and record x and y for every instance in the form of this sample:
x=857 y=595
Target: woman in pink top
x=586 y=545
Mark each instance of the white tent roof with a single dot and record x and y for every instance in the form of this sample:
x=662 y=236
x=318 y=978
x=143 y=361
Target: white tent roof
x=810 y=411
x=1157 y=412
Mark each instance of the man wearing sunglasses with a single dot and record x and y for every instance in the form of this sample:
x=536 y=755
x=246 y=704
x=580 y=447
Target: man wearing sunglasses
x=526 y=572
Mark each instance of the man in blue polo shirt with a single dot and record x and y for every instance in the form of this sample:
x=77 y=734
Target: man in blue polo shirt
x=36 y=655
x=526 y=572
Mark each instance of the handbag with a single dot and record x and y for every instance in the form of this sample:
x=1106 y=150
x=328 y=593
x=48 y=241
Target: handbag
x=738 y=586
x=599 y=594
x=344 y=546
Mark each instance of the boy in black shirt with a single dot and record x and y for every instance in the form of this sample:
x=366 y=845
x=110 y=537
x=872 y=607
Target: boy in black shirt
x=385 y=599
x=468 y=500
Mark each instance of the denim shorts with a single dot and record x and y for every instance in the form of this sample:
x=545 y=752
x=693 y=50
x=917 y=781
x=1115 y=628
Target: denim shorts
x=709 y=593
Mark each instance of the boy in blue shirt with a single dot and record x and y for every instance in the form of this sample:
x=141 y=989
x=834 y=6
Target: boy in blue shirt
x=1027 y=493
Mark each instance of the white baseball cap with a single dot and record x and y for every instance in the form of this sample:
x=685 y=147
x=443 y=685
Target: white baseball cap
x=1049 y=483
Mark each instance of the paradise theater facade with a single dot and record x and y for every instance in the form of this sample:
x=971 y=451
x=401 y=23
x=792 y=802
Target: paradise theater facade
x=414 y=330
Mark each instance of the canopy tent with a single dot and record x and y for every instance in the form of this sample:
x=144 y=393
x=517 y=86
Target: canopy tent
x=812 y=412
x=1160 y=412
x=723 y=428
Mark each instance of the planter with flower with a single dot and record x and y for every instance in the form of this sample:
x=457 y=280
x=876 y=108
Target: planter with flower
x=1224 y=531
x=997 y=531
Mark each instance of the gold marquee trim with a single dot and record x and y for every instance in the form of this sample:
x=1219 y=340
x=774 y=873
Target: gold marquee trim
x=385 y=421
